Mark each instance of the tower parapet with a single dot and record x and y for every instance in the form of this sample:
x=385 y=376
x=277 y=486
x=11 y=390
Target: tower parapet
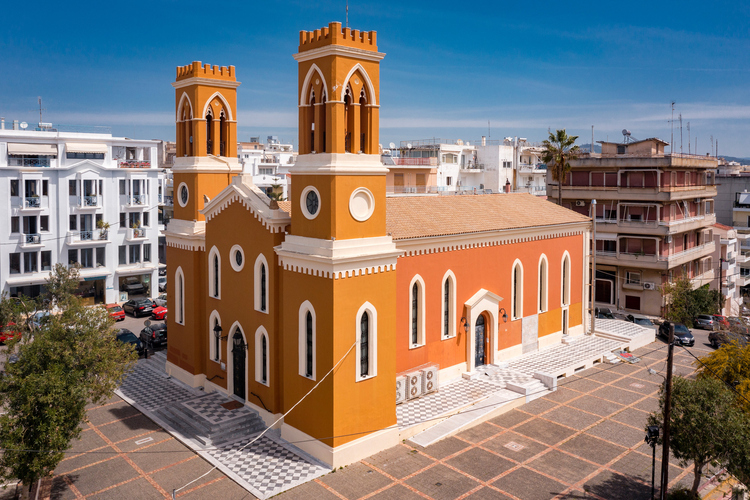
x=335 y=35
x=199 y=70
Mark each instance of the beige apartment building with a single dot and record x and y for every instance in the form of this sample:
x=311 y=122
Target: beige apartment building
x=654 y=218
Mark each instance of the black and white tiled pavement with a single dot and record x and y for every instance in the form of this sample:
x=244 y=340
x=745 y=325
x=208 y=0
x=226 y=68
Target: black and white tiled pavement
x=266 y=468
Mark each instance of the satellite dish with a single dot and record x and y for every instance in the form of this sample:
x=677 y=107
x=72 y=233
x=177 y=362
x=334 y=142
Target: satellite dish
x=24 y=125
x=392 y=146
x=408 y=145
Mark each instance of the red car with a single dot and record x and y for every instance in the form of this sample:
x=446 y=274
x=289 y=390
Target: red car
x=722 y=320
x=159 y=312
x=7 y=332
x=116 y=312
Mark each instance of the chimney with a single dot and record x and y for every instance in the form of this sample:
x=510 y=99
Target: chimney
x=15 y=124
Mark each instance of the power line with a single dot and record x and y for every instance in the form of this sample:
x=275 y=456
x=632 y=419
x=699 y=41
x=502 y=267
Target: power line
x=734 y=389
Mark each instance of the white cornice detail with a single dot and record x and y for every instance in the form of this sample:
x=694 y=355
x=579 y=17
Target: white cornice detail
x=338 y=50
x=451 y=243
x=338 y=164
x=186 y=235
x=209 y=82
x=206 y=164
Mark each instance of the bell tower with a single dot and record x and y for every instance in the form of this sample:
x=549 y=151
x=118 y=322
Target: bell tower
x=337 y=259
x=206 y=161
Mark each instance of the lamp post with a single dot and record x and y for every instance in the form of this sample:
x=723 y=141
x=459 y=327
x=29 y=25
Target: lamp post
x=505 y=315
x=652 y=435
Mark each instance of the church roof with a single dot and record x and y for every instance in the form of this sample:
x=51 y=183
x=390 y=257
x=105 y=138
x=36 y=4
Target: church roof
x=427 y=216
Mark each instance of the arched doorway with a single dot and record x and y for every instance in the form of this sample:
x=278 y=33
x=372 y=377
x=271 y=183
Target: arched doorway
x=480 y=341
x=239 y=352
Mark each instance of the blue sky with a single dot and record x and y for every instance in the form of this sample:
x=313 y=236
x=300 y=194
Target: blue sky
x=450 y=67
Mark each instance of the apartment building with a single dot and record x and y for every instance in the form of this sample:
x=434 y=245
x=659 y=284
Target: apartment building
x=432 y=166
x=79 y=198
x=728 y=259
x=654 y=218
x=268 y=163
x=511 y=165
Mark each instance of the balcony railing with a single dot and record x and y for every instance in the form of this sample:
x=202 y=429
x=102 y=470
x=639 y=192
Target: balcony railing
x=428 y=162
x=137 y=199
x=135 y=233
x=134 y=164
x=33 y=202
x=168 y=201
x=32 y=238
x=87 y=235
x=88 y=201
x=28 y=161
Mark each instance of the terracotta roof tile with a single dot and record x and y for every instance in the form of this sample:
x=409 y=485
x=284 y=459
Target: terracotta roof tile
x=722 y=226
x=286 y=206
x=425 y=216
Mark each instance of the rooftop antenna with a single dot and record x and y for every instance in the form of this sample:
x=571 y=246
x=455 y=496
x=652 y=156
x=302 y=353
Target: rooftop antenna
x=489 y=136
x=680 y=133
x=712 y=145
x=347 y=13
x=671 y=141
x=41 y=109
x=688 y=128
x=592 y=139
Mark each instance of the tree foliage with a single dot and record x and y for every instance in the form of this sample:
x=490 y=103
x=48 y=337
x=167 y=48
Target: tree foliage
x=706 y=426
x=684 y=303
x=559 y=149
x=56 y=369
x=731 y=364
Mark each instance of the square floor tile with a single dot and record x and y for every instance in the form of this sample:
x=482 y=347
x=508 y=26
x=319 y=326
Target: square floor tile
x=617 y=433
x=562 y=466
x=309 y=491
x=138 y=488
x=481 y=464
x=632 y=417
x=649 y=405
x=649 y=387
x=500 y=443
x=355 y=480
x=440 y=483
x=103 y=475
x=595 y=405
x=511 y=418
x=544 y=431
x=638 y=465
x=538 y=406
x=592 y=449
x=571 y=417
x=487 y=493
x=579 y=384
x=445 y=447
x=617 y=487
x=526 y=484
x=395 y=492
x=618 y=395
x=562 y=395
x=479 y=432
x=602 y=375
x=400 y=461
x=161 y=455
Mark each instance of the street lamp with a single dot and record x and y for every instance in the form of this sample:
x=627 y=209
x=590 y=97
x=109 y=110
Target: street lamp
x=505 y=315
x=217 y=332
x=652 y=435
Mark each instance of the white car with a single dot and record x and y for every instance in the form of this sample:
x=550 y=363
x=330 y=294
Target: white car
x=161 y=300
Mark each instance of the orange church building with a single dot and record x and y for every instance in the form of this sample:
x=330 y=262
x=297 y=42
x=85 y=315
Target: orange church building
x=341 y=288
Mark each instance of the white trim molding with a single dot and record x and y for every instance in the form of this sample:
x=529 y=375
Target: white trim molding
x=214 y=281
x=361 y=204
x=303 y=202
x=304 y=309
x=421 y=312
x=372 y=342
x=233 y=258
x=482 y=301
x=516 y=295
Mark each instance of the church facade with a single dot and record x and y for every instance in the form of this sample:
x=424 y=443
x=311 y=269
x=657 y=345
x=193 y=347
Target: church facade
x=332 y=297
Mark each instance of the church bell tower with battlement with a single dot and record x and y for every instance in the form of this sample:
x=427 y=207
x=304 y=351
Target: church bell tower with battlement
x=205 y=163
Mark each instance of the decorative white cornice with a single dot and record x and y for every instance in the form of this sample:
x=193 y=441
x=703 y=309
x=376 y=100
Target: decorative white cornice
x=338 y=50
x=186 y=235
x=208 y=82
x=436 y=244
x=339 y=164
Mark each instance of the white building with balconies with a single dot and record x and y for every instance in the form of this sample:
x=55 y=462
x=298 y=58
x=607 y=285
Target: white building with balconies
x=269 y=164
x=78 y=198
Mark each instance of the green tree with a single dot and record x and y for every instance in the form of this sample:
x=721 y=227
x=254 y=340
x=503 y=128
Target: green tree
x=559 y=149
x=54 y=372
x=684 y=303
x=731 y=364
x=277 y=192
x=706 y=426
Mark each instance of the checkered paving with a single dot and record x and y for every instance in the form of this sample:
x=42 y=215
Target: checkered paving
x=448 y=398
x=267 y=465
x=561 y=357
x=152 y=390
x=209 y=407
x=501 y=376
x=619 y=327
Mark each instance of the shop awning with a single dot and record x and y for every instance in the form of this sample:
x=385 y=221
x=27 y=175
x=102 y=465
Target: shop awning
x=83 y=147
x=32 y=149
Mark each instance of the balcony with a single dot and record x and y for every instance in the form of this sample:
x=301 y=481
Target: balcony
x=654 y=261
x=31 y=239
x=416 y=162
x=89 y=202
x=619 y=193
x=168 y=200
x=28 y=161
x=472 y=168
x=137 y=200
x=87 y=237
x=134 y=164
x=136 y=233
x=525 y=168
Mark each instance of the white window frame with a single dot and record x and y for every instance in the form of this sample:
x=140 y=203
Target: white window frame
x=630 y=281
x=543 y=284
x=565 y=298
x=233 y=260
x=303 y=310
x=451 y=333
x=421 y=312
x=516 y=295
x=211 y=273
x=261 y=259
x=372 y=342
x=212 y=337
x=179 y=293
x=259 y=334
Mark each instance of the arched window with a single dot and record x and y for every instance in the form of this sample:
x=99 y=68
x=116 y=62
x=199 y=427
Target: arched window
x=262 y=360
x=307 y=340
x=214 y=342
x=261 y=284
x=364 y=116
x=222 y=134
x=322 y=123
x=542 y=284
x=517 y=291
x=209 y=133
x=367 y=338
x=416 y=312
x=214 y=273
x=348 y=119
x=449 y=305
x=311 y=113
x=179 y=296
x=566 y=279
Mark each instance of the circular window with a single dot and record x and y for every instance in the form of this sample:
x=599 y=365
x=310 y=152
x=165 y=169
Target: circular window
x=183 y=194
x=237 y=258
x=361 y=204
x=310 y=202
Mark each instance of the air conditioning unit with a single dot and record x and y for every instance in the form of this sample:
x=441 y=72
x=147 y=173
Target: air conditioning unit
x=580 y=203
x=429 y=379
x=413 y=385
x=400 y=389
x=648 y=285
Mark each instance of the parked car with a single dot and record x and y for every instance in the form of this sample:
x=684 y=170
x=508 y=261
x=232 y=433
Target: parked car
x=38 y=319
x=604 y=313
x=154 y=335
x=132 y=285
x=706 y=322
x=162 y=283
x=161 y=300
x=620 y=316
x=682 y=334
x=8 y=331
x=738 y=325
x=116 y=312
x=138 y=307
x=640 y=320
x=722 y=337
x=721 y=320
x=127 y=337
x=159 y=312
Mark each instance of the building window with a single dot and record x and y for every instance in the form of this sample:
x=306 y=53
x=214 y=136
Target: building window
x=566 y=280
x=122 y=255
x=135 y=253
x=517 y=291
x=308 y=345
x=261 y=284
x=84 y=156
x=14 y=187
x=101 y=260
x=307 y=340
x=214 y=344
x=214 y=273
x=449 y=305
x=123 y=220
x=123 y=187
x=44 y=222
x=633 y=302
x=72 y=187
x=449 y=181
x=87 y=258
x=73 y=223
x=46 y=260
x=179 y=295
x=237 y=258
x=633 y=278
x=416 y=311
x=30 y=262
x=543 y=284
x=147 y=252
x=262 y=363
x=367 y=338
x=72 y=257
x=146 y=219
x=15 y=224
x=15 y=263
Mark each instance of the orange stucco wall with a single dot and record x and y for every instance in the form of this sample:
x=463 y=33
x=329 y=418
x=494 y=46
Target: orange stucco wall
x=488 y=268
x=198 y=184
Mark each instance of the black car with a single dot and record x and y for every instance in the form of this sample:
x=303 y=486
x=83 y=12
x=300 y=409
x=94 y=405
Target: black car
x=681 y=333
x=138 y=307
x=723 y=337
x=154 y=335
x=604 y=313
x=127 y=337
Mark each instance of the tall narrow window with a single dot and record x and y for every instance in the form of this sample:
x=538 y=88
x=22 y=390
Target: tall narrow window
x=414 y=314
x=446 y=307
x=263 y=297
x=309 y=345
x=217 y=340
x=216 y=276
x=542 y=284
x=180 y=296
x=209 y=134
x=261 y=285
x=222 y=134
x=363 y=122
x=264 y=359
x=364 y=345
x=566 y=280
x=517 y=292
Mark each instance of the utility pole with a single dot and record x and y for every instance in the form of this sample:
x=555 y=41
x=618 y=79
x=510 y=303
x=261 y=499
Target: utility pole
x=593 y=267
x=680 y=133
x=592 y=138
x=667 y=416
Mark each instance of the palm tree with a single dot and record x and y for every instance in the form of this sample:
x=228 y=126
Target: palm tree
x=559 y=149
